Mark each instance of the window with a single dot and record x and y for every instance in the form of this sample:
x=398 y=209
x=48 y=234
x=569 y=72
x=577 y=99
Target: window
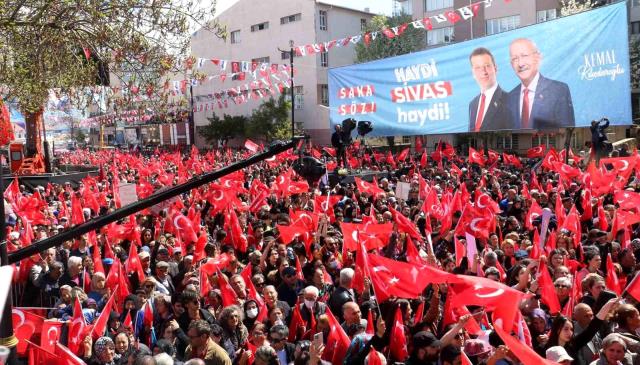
x=440 y=36
x=544 y=15
x=290 y=18
x=284 y=55
x=323 y=20
x=500 y=25
x=634 y=28
x=324 y=59
x=406 y=139
x=324 y=94
x=260 y=60
x=298 y=93
x=235 y=37
x=363 y=24
x=261 y=26
x=432 y=5
x=543 y=139
x=508 y=142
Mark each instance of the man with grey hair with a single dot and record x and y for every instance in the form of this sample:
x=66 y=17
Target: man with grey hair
x=311 y=307
x=343 y=293
x=537 y=102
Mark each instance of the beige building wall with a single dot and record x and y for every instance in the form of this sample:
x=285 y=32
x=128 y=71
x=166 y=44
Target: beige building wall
x=311 y=116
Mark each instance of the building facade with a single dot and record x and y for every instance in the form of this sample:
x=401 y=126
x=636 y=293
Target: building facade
x=503 y=16
x=261 y=31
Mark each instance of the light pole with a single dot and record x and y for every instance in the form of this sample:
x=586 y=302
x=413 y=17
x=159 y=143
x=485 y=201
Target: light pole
x=291 y=87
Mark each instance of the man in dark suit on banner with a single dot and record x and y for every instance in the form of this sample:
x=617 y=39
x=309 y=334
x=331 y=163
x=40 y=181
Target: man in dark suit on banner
x=488 y=111
x=538 y=102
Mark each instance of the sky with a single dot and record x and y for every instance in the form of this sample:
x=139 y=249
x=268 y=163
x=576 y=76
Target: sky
x=375 y=6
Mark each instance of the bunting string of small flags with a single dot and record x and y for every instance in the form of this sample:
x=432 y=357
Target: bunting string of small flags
x=451 y=17
x=239 y=95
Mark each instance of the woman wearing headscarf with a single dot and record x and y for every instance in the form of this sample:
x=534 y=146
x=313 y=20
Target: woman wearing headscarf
x=98 y=291
x=104 y=352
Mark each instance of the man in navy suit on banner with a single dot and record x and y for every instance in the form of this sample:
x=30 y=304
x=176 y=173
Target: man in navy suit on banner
x=488 y=111
x=538 y=102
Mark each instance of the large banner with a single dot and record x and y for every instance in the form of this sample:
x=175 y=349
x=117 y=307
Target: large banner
x=562 y=73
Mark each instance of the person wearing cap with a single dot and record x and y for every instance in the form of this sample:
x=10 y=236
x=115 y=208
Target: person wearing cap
x=426 y=349
x=291 y=286
x=164 y=284
x=559 y=354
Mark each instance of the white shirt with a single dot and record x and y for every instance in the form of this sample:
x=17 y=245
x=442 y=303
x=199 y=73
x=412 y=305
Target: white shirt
x=488 y=95
x=531 y=96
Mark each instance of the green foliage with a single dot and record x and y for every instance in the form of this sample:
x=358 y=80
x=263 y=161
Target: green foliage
x=271 y=119
x=57 y=45
x=634 y=58
x=382 y=47
x=80 y=137
x=268 y=122
x=224 y=129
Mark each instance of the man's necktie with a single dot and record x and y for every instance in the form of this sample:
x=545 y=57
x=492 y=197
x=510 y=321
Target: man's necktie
x=525 y=109
x=480 y=113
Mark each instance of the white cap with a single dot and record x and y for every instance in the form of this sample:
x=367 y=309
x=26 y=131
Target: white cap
x=558 y=354
x=14 y=235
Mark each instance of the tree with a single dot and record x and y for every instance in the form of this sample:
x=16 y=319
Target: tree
x=570 y=7
x=382 y=47
x=68 y=46
x=271 y=119
x=634 y=58
x=80 y=137
x=224 y=129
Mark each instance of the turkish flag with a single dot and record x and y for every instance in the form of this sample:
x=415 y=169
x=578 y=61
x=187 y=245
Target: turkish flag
x=572 y=224
x=76 y=328
x=547 y=290
x=367 y=187
x=550 y=158
x=493 y=295
x=633 y=288
x=612 y=281
x=536 y=152
x=251 y=146
x=398 y=340
x=627 y=199
x=51 y=330
x=403 y=154
x=205 y=285
x=330 y=151
x=390 y=160
x=67 y=356
x=238 y=238
x=337 y=341
x=133 y=263
x=297 y=324
x=219 y=262
x=290 y=233
x=185 y=228
x=25 y=324
x=511 y=160
x=12 y=193
x=100 y=325
x=400 y=279
x=566 y=171
x=404 y=224
x=77 y=216
x=40 y=356
x=373 y=236
x=229 y=296
x=534 y=212
x=475 y=157
x=304 y=218
x=484 y=201
x=524 y=353
x=324 y=204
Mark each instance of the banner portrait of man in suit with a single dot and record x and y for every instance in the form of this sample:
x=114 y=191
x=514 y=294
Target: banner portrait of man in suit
x=488 y=111
x=537 y=102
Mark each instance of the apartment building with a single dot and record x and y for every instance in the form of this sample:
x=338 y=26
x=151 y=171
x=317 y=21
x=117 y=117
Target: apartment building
x=503 y=16
x=261 y=31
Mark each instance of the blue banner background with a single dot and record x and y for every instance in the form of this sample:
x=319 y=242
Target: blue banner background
x=566 y=45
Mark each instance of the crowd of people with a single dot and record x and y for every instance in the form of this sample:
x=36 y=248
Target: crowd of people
x=482 y=259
